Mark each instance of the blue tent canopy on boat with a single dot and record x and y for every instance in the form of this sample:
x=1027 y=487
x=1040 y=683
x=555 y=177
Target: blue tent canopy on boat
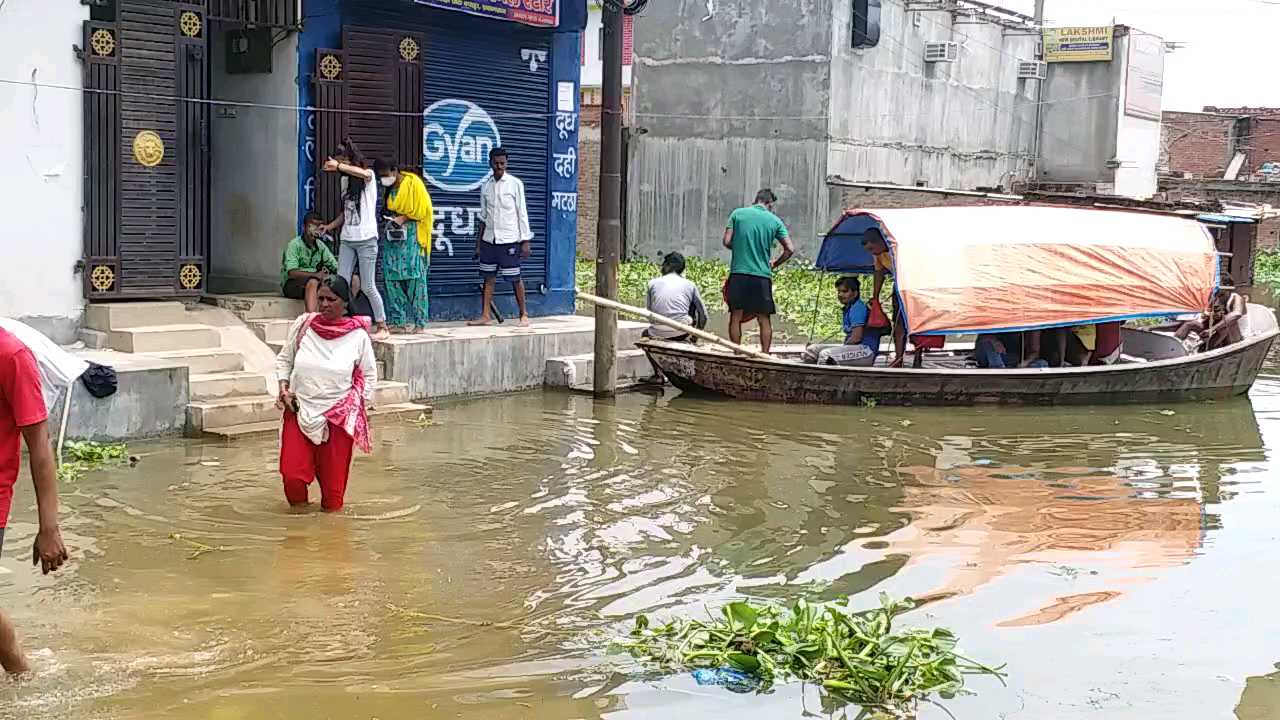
x=842 y=250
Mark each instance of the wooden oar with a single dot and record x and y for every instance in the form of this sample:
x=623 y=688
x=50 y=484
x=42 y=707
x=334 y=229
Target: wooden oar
x=659 y=319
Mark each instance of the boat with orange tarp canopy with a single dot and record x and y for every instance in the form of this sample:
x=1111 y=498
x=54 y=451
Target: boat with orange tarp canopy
x=1011 y=269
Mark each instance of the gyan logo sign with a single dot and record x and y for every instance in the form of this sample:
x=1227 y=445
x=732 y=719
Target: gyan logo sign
x=456 y=139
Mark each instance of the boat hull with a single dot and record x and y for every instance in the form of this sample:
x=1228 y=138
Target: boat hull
x=1223 y=373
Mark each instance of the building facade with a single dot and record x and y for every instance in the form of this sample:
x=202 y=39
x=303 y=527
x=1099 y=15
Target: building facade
x=1100 y=124
x=171 y=147
x=736 y=95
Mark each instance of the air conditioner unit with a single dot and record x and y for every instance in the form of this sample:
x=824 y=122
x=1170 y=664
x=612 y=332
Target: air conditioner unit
x=936 y=52
x=1032 y=70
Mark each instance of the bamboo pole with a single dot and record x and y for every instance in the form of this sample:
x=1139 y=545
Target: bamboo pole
x=659 y=319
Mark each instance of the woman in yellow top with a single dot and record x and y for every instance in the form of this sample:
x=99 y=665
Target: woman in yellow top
x=406 y=255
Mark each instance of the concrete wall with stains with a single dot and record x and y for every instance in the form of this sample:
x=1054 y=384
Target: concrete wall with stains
x=729 y=97
x=43 y=179
x=897 y=119
x=736 y=95
x=254 y=183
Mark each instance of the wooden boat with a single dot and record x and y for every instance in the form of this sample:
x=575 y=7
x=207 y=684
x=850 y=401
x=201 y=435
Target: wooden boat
x=967 y=270
x=1164 y=377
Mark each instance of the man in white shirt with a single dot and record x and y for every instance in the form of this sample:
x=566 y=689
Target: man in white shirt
x=503 y=238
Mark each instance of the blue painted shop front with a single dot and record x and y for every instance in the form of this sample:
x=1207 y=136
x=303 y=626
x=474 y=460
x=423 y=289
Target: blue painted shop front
x=484 y=83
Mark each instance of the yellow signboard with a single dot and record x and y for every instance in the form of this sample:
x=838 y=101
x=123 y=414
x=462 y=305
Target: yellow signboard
x=1078 y=44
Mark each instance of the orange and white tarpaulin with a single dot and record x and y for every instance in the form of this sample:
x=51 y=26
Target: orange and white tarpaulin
x=988 y=268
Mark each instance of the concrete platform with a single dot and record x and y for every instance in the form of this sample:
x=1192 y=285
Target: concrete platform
x=577 y=372
x=453 y=359
x=151 y=400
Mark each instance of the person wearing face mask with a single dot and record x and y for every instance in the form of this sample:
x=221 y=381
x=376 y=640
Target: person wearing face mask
x=406 y=250
x=359 y=226
x=306 y=262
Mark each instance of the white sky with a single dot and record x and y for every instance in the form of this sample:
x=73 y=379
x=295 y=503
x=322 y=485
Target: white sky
x=1230 y=58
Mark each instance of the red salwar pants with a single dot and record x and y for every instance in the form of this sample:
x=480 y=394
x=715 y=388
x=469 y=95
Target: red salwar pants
x=301 y=462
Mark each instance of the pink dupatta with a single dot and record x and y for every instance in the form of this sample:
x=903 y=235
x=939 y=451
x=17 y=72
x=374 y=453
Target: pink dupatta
x=348 y=413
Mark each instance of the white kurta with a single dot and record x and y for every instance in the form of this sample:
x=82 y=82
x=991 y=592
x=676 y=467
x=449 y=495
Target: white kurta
x=319 y=372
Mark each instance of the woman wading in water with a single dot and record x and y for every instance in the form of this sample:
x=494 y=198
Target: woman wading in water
x=327 y=378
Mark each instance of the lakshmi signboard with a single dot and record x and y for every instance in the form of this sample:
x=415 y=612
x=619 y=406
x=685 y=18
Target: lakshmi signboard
x=541 y=13
x=1078 y=44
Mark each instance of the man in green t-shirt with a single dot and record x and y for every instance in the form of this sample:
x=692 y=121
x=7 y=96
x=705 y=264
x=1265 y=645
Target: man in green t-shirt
x=750 y=236
x=306 y=262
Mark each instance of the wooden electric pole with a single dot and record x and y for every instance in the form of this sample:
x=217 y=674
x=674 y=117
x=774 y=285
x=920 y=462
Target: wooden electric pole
x=609 y=229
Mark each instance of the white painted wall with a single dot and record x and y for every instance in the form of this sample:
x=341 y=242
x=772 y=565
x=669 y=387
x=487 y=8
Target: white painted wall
x=592 y=64
x=42 y=164
x=254 y=169
x=1137 y=139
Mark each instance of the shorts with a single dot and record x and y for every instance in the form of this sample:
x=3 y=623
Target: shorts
x=501 y=260
x=295 y=288
x=751 y=294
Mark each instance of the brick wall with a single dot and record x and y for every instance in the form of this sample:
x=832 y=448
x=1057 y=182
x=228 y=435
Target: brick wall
x=1201 y=144
x=1263 y=141
x=588 y=188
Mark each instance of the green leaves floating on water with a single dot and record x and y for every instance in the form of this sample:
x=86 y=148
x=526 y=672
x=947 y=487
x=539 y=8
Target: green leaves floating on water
x=81 y=457
x=856 y=656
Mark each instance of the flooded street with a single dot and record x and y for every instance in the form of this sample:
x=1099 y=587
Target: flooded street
x=1122 y=562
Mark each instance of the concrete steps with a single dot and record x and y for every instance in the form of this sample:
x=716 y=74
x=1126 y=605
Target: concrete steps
x=165 y=338
x=105 y=317
x=258 y=306
x=205 y=362
x=271 y=332
x=219 y=385
x=410 y=411
x=233 y=411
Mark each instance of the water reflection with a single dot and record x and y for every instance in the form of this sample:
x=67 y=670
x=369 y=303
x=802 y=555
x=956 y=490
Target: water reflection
x=484 y=562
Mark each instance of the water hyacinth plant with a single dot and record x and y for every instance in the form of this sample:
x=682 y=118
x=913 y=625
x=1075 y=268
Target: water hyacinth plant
x=856 y=656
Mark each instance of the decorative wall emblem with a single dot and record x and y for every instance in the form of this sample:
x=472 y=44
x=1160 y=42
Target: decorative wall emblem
x=190 y=276
x=103 y=278
x=330 y=67
x=102 y=42
x=409 y=49
x=148 y=148
x=190 y=24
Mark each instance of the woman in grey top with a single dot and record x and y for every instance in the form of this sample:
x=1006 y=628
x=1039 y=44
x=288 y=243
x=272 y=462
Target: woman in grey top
x=359 y=225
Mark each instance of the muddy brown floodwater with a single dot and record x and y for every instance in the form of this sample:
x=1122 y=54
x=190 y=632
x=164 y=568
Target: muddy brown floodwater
x=1122 y=561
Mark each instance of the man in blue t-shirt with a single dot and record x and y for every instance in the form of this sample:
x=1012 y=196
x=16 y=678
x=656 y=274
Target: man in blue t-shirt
x=860 y=343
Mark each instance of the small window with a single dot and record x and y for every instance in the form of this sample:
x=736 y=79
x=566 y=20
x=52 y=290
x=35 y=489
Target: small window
x=866 y=23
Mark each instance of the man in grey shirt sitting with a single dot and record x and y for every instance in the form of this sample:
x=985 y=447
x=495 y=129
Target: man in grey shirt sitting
x=672 y=296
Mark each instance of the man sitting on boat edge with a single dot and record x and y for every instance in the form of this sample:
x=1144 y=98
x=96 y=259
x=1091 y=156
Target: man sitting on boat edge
x=861 y=344
x=672 y=296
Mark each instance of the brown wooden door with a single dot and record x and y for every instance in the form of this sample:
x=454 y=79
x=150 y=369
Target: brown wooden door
x=371 y=92
x=147 y=151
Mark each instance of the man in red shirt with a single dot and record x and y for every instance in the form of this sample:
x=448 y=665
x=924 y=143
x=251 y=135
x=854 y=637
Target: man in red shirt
x=23 y=414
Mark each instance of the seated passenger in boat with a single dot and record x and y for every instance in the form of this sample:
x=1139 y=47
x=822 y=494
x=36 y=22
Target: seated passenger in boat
x=860 y=343
x=999 y=351
x=675 y=298
x=1223 y=325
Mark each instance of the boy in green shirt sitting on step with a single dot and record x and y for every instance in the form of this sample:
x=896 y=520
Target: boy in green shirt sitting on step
x=307 y=261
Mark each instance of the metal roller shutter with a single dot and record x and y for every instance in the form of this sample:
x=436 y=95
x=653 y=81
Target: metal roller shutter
x=479 y=88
